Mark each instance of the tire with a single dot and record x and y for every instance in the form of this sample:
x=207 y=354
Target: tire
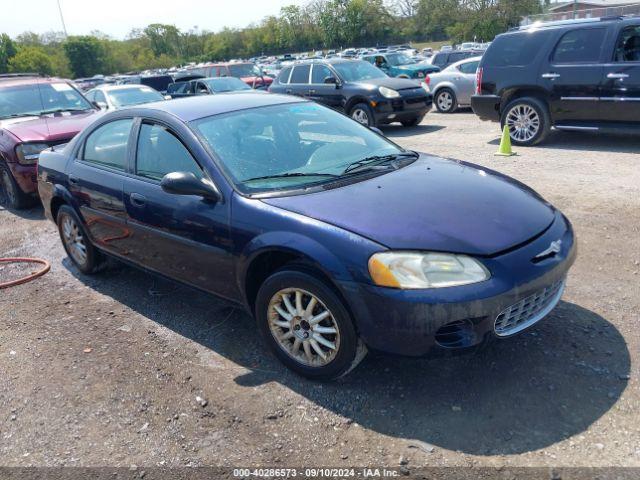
x=296 y=325
x=363 y=114
x=73 y=234
x=446 y=101
x=517 y=111
x=11 y=195
x=413 y=122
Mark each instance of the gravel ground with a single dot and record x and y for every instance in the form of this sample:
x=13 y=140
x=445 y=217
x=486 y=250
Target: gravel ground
x=125 y=369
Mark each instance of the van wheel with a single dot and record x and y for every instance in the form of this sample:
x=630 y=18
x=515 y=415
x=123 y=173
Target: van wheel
x=446 y=101
x=86 y=258
x=11 y=195
x=528 y=121
x=363 y=114
x=307 y=326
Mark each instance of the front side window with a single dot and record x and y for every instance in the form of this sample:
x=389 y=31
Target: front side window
x=107 y=145
x=300 y=74
x=396 y=59
x=319 y=73
x=580 y=46
x=294 y=144
x=160 y=152
x=628 y=45
x=40 y=99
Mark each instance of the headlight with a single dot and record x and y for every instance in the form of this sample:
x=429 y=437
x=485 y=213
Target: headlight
x=388 y=92
x=28 y=153
x=408 y=270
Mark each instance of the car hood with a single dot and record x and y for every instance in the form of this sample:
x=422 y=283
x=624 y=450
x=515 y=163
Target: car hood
x=432 y=204
x=389 y=82
x=47 y=129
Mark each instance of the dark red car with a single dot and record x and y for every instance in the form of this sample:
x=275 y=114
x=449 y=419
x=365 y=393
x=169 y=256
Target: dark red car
x=35 y=113
x=248 y=72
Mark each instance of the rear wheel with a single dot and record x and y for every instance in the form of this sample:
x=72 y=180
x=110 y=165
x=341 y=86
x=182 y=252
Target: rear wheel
x=11 y=196
x=307 y=325
x=363 y=114
x=75 y=240
x=528 y=121
x=446 y=101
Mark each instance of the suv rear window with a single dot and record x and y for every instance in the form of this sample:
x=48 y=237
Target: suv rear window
x=514 y=50
x=581 y=45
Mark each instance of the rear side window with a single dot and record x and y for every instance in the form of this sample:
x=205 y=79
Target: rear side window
x=469 y=67
x=580 y=46
x=284 y=75
x=515 y=50
x=300 y=74
x=107 y=145
x=160 y=152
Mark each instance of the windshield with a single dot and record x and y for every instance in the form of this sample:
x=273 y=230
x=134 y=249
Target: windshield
x=134 y=96
x=37 y=99
x=300 y=143
x=244 y=70
x=395 y=59
x=358 y=71
x=226 y=84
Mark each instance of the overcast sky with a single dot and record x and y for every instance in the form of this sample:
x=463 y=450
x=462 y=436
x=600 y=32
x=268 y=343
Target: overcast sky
x=117 y=17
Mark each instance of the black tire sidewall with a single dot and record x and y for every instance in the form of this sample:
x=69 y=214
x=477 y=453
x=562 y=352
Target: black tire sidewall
x=543 y=114
x=21 y=199
x=454 y=103
x=297 y=278
x=366 y=108
x=93 y=256
x=413 y=122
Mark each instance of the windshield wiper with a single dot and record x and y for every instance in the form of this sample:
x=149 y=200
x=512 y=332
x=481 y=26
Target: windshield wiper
x=18 y=115
x=291 y=174
x=376 y=160
x=61 y=110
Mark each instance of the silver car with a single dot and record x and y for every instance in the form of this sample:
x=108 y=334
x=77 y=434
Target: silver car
x=452 y=87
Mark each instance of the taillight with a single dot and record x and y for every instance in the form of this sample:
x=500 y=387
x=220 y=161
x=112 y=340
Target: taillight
x=479 y=81
x=427 y=80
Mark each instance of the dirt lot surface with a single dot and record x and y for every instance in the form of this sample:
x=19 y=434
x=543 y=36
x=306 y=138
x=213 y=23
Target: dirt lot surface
x=106 y=370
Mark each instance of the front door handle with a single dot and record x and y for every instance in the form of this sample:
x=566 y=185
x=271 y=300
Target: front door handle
x=312 y=92
x=74 y=180
x=617 y=76
x=138 y=200
x=551 y=75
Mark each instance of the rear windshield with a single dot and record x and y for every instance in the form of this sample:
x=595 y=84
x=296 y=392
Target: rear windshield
x=514 y=50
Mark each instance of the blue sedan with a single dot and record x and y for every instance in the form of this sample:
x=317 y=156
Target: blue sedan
x=334 y=238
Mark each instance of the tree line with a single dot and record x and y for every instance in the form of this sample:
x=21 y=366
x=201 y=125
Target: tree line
x=319 y=24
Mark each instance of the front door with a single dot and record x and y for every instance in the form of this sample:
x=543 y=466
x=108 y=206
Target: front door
x=572 y=76
x=183 y=237
x=620 y=93
x=96 y=179
x=329 y=94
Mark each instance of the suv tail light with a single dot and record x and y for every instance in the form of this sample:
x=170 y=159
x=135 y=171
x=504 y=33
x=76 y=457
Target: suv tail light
x=479 y=81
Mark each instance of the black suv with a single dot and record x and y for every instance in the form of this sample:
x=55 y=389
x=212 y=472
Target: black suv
x=579 y=75
x=357 y=88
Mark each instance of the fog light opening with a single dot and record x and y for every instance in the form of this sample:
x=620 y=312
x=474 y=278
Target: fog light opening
x=456 y=334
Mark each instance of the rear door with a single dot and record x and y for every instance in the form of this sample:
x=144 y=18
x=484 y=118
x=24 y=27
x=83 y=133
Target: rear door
x=572 y=75
x=182 y=236
x=466 y=81
x=96 y=178
x=620 y=91
x=326 y=93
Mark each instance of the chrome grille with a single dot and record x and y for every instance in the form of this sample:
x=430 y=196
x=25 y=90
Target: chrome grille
x=529 y=310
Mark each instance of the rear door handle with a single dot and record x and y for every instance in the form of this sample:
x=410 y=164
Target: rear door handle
x=138 y=200
x=73 y=180
x=617 y=76
x=551 y=75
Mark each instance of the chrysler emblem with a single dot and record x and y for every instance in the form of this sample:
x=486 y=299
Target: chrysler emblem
x=554 y=247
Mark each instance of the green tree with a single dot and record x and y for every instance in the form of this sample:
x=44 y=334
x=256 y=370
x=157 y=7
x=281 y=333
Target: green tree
x=86 y=55
x=7 y=51
x=31 y=59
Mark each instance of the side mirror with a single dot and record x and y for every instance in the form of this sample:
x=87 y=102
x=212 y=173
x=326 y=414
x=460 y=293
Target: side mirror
x=186 y=183
x=330 y=80
x=167 y=97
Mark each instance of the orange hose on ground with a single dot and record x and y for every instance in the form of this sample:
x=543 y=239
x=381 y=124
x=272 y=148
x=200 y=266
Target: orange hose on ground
x=28 y=278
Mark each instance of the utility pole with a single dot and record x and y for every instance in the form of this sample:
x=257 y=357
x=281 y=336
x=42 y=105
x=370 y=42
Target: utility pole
x=64 y=27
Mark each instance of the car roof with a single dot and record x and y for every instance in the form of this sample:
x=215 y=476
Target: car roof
x=466 y=60
x=126 y=86
x=194 y=108
x=14 y=80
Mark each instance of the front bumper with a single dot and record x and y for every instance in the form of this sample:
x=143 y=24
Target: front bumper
x=413 y=322
x=26 y=176
x=487 y=107
x=404 y=108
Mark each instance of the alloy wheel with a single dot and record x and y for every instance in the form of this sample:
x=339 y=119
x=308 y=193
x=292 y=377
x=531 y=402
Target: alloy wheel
x=74 y=240
x=523 y=122
x=445 y=101
x=303 y=327
x=360 y=116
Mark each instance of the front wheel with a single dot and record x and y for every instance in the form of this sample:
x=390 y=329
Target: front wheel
x=413 y=122
x=11 y=196
x=528 y=121
x=307 y=325
x=446 y=101
x=363 y=114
